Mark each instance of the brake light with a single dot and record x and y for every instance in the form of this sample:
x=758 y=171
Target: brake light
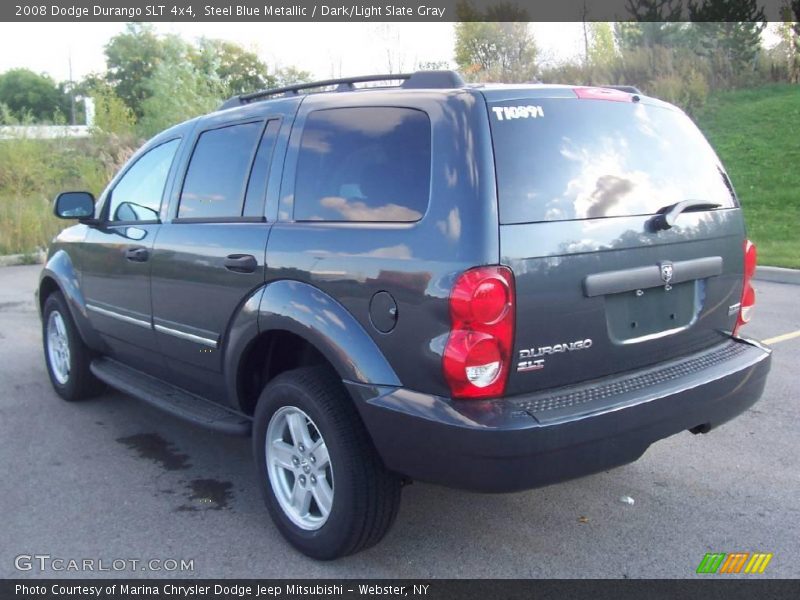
x=477 y=355
x=598 y=93
x=748 y=300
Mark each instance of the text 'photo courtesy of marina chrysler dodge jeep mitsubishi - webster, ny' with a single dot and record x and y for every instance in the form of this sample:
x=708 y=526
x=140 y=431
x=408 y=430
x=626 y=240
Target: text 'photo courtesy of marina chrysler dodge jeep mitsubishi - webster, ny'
x=404 y=277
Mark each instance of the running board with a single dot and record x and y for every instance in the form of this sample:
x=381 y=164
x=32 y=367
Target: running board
x=171 y=399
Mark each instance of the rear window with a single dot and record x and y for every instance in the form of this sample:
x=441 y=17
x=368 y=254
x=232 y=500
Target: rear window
x=565 y=159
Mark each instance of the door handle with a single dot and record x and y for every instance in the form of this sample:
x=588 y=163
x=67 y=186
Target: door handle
x=137 y=254
x=241 y=263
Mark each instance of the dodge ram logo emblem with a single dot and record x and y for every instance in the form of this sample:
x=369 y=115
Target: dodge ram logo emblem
x=666 y=275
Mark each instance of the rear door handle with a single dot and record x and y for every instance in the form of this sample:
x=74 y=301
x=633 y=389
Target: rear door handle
x=137 y=254
x=241 y=263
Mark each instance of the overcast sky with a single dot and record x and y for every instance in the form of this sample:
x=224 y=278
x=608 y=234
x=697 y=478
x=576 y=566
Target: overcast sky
x=324 y=49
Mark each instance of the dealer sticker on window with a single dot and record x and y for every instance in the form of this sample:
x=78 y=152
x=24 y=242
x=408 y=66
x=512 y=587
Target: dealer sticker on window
x=505 y=113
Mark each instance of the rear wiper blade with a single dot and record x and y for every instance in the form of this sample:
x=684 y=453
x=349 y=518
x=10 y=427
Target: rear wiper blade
x=665 y=217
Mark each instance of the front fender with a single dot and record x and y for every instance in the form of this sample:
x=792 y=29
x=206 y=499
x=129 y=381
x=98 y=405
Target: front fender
x=60 y=271
x=308 y=312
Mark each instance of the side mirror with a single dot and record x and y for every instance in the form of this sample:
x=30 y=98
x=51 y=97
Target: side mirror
x=74 y=205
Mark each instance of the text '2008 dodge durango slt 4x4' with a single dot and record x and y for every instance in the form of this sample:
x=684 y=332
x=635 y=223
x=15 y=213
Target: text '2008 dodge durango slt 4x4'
x=490 y=287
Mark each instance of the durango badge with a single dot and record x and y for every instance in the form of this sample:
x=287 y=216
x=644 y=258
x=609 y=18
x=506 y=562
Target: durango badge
x=526 y=354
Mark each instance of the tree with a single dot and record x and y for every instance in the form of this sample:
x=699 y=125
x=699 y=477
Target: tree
x=601 y=49
x=132 y=58
x=200 y=92
x=290 y=76
x=239 y=71
x=29 y=95
x=496 y=51
x=728 y=32
x=653 y=23
x=789 y=32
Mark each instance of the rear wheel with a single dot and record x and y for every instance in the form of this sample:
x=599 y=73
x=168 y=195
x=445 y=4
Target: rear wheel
x=66 y=356
x=323 y=482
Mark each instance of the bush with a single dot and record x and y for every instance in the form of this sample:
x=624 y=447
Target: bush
x=33 y=171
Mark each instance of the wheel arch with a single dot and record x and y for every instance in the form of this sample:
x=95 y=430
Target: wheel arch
x=290 y=324
x=60 y=275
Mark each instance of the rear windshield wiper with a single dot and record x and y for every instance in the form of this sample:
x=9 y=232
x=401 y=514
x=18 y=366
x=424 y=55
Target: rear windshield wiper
x=665 y=217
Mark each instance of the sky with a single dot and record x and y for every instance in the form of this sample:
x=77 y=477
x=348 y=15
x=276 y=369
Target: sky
x=324 y=49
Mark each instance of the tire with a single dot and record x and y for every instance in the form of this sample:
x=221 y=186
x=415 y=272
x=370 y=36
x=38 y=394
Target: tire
x=365 y=496
x=70 y=376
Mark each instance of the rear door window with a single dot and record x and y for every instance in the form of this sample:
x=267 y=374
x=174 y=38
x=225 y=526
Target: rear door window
x=218 y=172
x=364 y=164
x=564 y=159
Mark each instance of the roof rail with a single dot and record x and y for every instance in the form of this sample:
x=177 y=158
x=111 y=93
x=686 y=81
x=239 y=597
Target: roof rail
x=417 y=80
x=623 y=88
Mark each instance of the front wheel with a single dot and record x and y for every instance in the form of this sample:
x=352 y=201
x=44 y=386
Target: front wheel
x=66 y=356
x=324 y=484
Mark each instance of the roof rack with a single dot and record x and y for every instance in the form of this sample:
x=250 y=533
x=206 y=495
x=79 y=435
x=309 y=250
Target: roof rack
x=623 y=88
x=417 y=80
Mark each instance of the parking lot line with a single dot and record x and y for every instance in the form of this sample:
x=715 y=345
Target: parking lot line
x=782 y=338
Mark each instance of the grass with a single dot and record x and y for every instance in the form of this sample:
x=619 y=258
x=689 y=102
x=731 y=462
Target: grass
x=756 y=133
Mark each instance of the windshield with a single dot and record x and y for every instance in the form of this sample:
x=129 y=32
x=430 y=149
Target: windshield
x=564 y=159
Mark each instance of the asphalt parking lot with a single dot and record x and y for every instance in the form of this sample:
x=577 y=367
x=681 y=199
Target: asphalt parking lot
x=115 y=479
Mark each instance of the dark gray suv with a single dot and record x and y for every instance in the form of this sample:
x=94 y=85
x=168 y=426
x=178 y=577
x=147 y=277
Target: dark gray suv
x=491 y=287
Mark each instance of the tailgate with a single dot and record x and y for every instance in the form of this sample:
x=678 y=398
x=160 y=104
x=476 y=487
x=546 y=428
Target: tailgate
x=599 y=288
x=601 y=307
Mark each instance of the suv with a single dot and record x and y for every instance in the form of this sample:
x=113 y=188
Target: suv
x=490 y=287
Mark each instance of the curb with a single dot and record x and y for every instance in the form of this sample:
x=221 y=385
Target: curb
x=778 y=275
x=32 y=258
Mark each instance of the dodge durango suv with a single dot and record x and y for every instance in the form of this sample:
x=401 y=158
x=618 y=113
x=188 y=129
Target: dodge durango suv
x=404 y=277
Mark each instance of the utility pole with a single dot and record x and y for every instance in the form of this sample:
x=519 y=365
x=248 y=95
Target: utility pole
x=71 y=89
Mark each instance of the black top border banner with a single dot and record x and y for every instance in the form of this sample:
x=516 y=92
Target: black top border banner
x=392 y=10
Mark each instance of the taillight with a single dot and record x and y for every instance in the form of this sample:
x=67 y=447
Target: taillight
x=748 y=300
x=477 y=356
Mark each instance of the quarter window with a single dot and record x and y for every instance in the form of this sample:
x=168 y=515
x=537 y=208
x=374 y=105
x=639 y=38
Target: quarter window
x=218 y=171
x=137 y=196
x=364 y=164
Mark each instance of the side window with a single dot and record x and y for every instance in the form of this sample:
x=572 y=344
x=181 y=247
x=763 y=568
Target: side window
x=259 y=175
x=137 y=196
x=217 y=175
x=364 y=164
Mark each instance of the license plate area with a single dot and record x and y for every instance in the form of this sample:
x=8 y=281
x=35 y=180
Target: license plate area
x=639 y=315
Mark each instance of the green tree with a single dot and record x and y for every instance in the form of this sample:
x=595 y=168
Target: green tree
x=496 y=51
x=132 y=58
x=652 y=23
x=199 y=92
x=29 y=95
x=601 y=44
x=239 y=71
x=789 y=32
x=290 y=76
x=729 y=33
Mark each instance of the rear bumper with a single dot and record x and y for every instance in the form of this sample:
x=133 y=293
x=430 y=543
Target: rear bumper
x=529 y=441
